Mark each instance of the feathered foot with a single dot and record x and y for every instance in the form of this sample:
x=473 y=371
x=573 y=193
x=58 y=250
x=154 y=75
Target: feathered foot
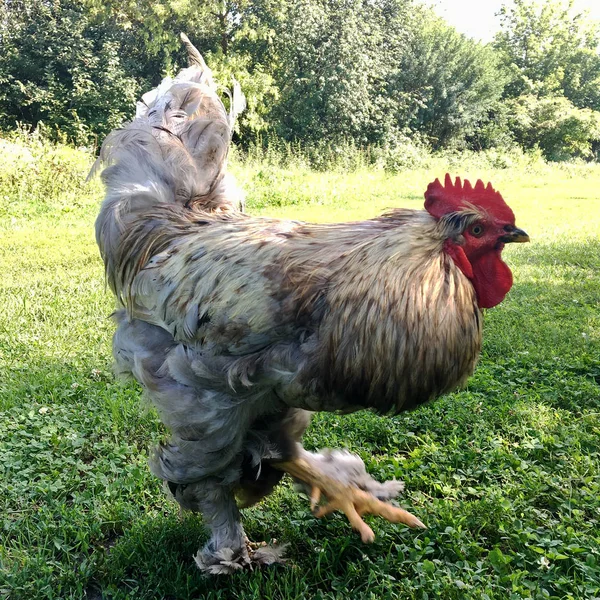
x=223 y=561
x=226 y=561
x=349 y=469
x=263 y=554
x=228 y=550
x=350 y=500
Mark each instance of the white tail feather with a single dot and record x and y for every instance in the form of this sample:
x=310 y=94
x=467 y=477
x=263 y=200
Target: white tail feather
x=174 y=153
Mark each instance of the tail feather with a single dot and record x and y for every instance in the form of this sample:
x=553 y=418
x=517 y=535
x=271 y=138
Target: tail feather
x=174 y=153
x=194 y=57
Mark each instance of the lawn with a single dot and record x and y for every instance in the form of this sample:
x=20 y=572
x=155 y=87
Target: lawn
x=506 y=473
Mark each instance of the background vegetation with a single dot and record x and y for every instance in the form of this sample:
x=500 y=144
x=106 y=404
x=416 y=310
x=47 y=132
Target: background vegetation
x=387 y=74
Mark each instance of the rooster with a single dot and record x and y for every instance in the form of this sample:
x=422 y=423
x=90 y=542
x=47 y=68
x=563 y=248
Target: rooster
x=238 y=328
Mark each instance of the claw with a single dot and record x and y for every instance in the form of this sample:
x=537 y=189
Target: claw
x=352 y=501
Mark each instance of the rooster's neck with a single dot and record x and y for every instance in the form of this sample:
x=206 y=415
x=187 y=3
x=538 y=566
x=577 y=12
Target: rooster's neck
x=409 y=315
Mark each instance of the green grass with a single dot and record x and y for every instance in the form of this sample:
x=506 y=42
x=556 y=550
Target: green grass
x=506 y=474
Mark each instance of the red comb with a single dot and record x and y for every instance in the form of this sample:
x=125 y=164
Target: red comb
x=450 y=197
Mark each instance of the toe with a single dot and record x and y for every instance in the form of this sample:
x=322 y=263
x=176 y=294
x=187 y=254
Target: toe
x=315 y=497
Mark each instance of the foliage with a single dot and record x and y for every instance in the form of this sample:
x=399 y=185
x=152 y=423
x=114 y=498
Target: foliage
x=384 y=77
x=455 y=82
x=334 y=62
x=550 y=50
x=148 y=32
x=556 y=126
x=257 y=85
x=54 y=72
x=506 y=473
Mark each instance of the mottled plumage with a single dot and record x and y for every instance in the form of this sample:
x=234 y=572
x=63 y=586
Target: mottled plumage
x=237 y=326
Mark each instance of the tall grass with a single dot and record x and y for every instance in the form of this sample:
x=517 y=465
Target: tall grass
x=40 y=178
x=401 y=155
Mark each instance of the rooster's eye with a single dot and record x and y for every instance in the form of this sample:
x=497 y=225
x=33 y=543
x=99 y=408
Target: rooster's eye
x=477 y=231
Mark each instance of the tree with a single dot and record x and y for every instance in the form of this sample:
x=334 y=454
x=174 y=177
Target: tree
x=454 y=81
x=230 y=34
x=77 y=66
x=550 y=50
x=148 y=32
x=245 y=51
x=331 y=68
x=55 y=70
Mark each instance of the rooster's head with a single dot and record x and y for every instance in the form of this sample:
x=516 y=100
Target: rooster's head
x=486 y=223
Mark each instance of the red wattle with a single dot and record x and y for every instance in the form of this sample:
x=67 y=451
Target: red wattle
x=492 y=279
x=490 y=276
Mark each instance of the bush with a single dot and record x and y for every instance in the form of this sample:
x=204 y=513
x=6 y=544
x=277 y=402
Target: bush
x=56 y=69
x=561 y=130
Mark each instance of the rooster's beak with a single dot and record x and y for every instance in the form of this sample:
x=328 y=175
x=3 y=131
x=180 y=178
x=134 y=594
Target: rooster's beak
x=515 y=235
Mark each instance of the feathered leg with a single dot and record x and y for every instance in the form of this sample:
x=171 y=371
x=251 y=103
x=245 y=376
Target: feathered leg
x=281 y=434
x=202 y=462
x=226 y=550
x=337 y=474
